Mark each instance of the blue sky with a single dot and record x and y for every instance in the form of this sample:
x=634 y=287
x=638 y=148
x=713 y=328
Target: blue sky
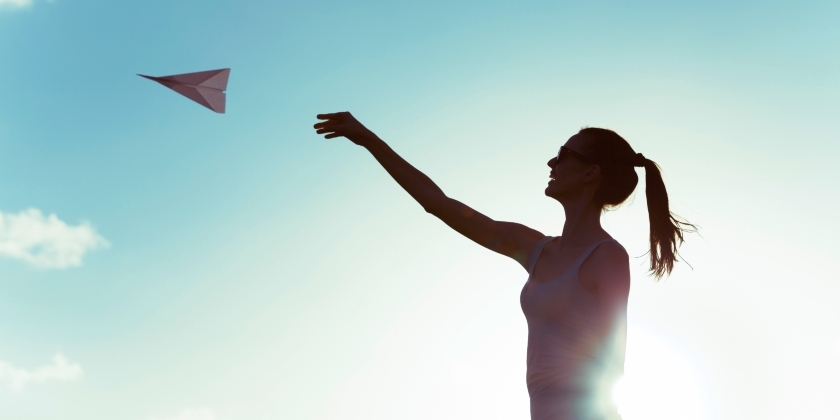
x=237 y=267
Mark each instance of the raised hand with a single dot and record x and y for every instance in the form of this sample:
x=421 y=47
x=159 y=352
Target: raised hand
x=511 y=239
x=343 y=124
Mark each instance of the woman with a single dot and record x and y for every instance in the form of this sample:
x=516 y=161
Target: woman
x=575 y=299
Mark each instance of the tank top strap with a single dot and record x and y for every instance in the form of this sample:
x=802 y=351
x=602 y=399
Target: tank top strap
x=535 y=253
x=576 y=266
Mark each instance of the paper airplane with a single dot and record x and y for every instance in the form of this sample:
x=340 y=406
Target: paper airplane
x=205 y=87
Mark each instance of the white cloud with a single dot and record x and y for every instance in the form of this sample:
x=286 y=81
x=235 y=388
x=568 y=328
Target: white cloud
x=14 y=4
x=59 y=370
x=46 y=242
x=190 y=414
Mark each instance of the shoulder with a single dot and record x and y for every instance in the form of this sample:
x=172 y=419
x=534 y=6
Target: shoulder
x=611 y=253
x=608 y=267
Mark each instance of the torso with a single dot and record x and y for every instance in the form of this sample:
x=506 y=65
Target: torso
x=573 y=348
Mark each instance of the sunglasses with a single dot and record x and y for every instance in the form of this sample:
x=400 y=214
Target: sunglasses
x=565 y=151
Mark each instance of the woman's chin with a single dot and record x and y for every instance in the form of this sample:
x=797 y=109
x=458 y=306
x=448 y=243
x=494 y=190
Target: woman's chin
x=553 y=190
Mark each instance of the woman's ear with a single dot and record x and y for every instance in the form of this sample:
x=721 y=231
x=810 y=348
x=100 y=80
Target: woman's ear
x=592 y=173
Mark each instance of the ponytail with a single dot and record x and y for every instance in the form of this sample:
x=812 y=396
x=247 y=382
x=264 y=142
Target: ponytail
x=666 y=229
x=619 y=179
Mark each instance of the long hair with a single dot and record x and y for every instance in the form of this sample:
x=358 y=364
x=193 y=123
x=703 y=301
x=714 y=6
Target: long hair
x=618 y=180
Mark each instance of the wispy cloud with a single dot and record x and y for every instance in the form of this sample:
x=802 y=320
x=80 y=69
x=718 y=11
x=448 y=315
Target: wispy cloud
x=190 y=414
x=46 y=241
x=59 y=370
x=14 y=4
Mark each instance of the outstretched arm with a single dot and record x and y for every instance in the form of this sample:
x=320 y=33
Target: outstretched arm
x=510 y=239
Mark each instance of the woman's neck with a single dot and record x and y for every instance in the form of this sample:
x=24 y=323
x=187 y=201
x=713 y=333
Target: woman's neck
x=583 y=224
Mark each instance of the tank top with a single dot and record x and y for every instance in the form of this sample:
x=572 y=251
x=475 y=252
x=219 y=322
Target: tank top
x=574 y=357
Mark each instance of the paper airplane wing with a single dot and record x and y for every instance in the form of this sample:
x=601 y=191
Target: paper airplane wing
x=213 y=79
x=210 y=98
x=205 y=87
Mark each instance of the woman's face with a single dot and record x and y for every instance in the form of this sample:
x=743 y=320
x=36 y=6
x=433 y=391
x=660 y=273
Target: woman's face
x=570 y=175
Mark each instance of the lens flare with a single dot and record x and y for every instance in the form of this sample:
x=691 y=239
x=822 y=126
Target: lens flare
x=660 y=382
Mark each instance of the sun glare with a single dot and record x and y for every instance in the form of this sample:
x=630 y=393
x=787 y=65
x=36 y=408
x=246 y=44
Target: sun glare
x=660 y=382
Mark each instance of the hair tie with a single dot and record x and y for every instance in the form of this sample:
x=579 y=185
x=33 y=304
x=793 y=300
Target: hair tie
x=639 y=160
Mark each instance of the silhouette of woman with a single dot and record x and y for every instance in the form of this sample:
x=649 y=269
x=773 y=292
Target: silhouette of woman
x=575 y=298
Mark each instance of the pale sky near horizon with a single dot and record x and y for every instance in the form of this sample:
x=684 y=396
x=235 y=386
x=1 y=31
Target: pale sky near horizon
x=160 y=261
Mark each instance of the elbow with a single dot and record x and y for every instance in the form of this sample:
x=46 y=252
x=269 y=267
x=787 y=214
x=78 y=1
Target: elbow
x=431 y=209
x=435 y=205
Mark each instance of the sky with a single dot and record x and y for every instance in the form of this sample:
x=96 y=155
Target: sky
x=159 y=261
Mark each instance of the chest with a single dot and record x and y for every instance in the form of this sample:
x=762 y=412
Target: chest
x=561 y=300
x=555 y=262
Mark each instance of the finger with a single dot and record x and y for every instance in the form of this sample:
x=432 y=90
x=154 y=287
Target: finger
x=333 y=135
x=324 y=130
x=332 y=116
x=326 y=124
